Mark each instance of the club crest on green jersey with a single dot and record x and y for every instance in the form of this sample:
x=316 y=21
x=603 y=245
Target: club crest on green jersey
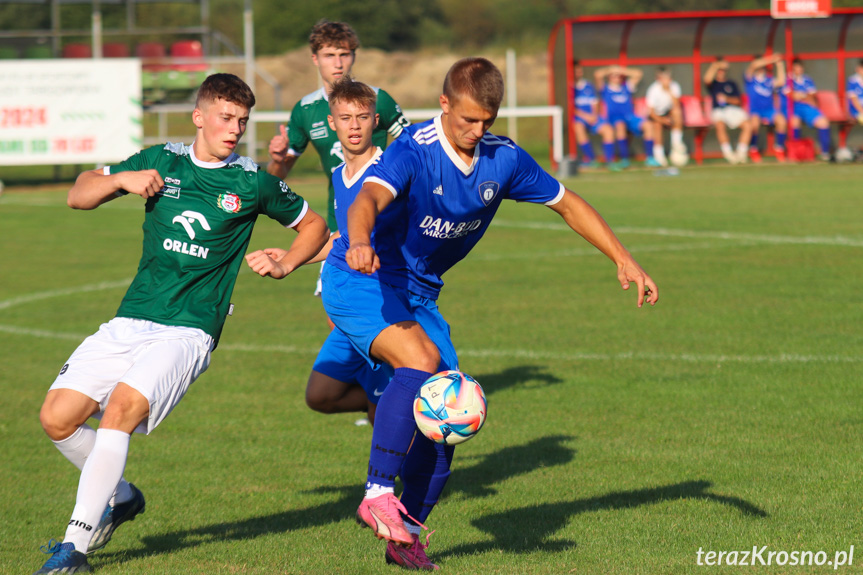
x=230 y=203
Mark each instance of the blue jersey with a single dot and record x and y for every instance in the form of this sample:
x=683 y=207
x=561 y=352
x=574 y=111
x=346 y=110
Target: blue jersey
x=854 y=86
x=760 y=92
x=344 y=193
x=618 y=100
x=803 y=83
x=584 y=96
x=444 y=206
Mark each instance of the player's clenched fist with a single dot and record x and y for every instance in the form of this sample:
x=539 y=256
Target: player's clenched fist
x=267 y=262
x=362 y=257
x=145 y=183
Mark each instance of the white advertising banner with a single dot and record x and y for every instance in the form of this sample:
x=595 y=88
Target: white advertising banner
x=71 y=111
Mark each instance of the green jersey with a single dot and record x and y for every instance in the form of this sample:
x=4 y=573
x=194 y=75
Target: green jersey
x=309 y=124
x=196 y=231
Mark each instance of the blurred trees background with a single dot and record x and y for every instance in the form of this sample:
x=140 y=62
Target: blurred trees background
x=385 y=24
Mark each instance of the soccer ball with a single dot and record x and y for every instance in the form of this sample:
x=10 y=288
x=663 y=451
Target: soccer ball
x=450 y=407
x=678 y=157
x=844 y=155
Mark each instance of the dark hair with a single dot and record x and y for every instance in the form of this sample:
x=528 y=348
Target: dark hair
x=576 y=62
x=225 y=87
x=345 y=89
x=796 y=61
x=476 y=78
x=661 y=69
x=338 y=34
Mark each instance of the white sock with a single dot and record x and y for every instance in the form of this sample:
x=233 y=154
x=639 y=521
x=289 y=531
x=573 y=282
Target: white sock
x=726 y=148
x=376 y=490
x=659 y=153
x=99 y=478
x=676 y=138
x=742 y=148
x=77 y=447
x=413 y=529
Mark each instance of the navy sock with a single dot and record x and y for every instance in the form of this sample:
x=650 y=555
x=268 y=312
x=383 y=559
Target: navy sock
x=623 y=149
x=394 y=425
x=648 y=148
x=780 y=140
x=796 y=133
x=608 y=150
x=587 y=152
x=424 y=475
x=753 y=141
x=824 y=140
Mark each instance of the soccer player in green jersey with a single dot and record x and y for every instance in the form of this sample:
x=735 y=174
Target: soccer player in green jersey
x=201 y=204
x=333 y=46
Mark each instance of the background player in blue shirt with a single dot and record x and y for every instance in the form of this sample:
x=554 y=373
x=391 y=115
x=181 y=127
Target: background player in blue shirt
x=616 y=86
x=444 y=180
x=854 y=93
x=728 y=112
x=341 y=379
x=806 y=108
x=587 y=119
x=761 y=89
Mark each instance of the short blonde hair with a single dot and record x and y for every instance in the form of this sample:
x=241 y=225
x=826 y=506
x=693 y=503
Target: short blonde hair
x=476 y=78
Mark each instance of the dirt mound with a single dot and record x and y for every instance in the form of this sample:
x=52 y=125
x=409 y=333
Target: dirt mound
x=413 y=79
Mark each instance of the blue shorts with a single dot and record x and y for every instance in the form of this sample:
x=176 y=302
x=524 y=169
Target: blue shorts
x=633 y=122
x=340 y=360
x=806 y=112
x=591 y=128
x=362 y=307
x=766 y=115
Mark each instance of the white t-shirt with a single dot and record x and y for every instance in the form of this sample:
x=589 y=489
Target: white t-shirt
x=659 y=100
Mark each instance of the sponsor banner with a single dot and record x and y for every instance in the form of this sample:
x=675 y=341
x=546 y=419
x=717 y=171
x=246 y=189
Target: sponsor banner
x=801 y=8
x=72 y=111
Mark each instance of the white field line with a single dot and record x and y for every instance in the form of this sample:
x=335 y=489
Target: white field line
x=558 y=226
x=63 y=292
x=715 y=235
x=783 y=358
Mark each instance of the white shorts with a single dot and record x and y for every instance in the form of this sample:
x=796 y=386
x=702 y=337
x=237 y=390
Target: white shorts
x=731 y=116
x=320 y=285
x=158 y=361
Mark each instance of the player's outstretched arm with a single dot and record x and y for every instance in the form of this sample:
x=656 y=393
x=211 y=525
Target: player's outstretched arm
x=281 y=161
x=93 y=188
x=325 y=251
x=312 y=234
x=371 y=201
x=586 y=221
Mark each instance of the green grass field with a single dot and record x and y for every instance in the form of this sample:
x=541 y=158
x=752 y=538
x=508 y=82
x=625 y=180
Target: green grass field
x=619 y=440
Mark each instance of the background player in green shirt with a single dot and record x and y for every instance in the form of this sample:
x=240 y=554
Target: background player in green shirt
x=334 y=46
x=202 y=202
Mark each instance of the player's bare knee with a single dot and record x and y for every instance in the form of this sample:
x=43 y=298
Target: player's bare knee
x=428 y=359
x=57 y=426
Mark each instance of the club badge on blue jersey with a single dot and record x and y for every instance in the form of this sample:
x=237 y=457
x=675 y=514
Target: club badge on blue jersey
x=488 y=191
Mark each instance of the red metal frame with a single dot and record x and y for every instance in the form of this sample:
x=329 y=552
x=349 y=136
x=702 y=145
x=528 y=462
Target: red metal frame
x=841 y=55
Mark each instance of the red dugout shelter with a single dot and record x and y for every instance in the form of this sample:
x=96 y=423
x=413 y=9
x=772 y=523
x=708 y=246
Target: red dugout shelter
x=687 y=42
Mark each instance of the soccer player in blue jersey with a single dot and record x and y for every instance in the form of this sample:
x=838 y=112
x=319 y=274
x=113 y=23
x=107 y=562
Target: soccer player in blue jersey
x=201 y=202
x=341 y=379
x=761 y=89
x=430 y=199
x=587 y=120
x=854 y=93
x=728 y=112
x=616 y=85
x=806 y=108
